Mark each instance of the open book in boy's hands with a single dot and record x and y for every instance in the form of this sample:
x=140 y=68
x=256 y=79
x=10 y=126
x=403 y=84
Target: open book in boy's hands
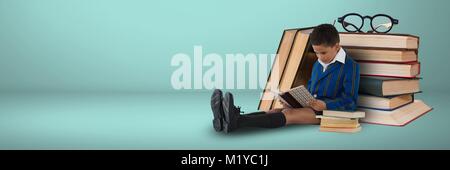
x=296 y=98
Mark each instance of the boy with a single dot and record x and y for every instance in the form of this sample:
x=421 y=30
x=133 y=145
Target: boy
x=334 y=83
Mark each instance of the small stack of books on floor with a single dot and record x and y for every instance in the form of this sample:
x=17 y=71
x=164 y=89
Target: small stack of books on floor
x=337 y=121
x=390 y=71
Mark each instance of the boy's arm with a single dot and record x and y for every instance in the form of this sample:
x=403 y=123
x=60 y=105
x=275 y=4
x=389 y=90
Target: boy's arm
x=347 y=101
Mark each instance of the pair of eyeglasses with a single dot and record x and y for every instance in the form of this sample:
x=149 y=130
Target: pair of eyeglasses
x=380 y=23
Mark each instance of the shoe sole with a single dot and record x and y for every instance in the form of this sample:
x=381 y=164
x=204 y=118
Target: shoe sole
x=216 y=107
x=229 y=118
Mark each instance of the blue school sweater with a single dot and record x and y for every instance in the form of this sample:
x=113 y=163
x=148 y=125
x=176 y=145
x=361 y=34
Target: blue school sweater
x=337 y=86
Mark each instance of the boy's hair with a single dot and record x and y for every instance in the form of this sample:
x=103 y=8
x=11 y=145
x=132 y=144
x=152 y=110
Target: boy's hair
x=324 y=34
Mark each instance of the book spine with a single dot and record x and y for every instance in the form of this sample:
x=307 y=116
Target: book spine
x=371 y=86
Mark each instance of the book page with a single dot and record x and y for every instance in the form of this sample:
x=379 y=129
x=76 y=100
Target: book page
x=302 y=95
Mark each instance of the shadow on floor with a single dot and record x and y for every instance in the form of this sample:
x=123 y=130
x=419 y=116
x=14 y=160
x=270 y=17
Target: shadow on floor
x=259 y=131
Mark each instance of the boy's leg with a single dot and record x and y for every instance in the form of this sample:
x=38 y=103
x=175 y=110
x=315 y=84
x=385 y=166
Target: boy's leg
x=274 y=119
x=300 y=116
x=255 y=113
x=264 y=112
x=233 y=120
x=268 y=120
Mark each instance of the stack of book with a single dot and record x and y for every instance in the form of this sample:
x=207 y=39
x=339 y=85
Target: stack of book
x=336 y=121
x=389 y=68
x=390 y=74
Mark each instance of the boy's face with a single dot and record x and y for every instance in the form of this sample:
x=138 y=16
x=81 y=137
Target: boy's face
x=325 y=53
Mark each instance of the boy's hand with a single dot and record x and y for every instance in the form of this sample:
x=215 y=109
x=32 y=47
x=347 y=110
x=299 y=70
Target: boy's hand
x=318 y=105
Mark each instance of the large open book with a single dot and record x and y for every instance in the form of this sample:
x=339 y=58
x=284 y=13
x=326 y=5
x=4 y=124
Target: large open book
x=296 y=98
x=292 y=66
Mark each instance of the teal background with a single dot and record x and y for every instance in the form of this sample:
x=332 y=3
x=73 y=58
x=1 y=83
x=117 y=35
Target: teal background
x=95 y=74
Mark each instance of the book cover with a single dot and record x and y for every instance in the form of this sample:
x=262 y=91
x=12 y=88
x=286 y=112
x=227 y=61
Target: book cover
x=387 y=103
x=292 y=42
x=297 y=56
x=399 y=117
x=343 y=114
x=340 y=130
x=283 y=51
x=386 y=86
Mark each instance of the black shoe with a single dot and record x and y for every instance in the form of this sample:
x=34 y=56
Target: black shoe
x=231 y=113
x=217 y=109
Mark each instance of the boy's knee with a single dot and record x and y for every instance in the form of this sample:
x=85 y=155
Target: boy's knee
x=288 y=111
x=274 y=111
x=299 y=111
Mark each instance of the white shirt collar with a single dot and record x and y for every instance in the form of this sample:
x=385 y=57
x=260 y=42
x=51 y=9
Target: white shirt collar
x=340 y=56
